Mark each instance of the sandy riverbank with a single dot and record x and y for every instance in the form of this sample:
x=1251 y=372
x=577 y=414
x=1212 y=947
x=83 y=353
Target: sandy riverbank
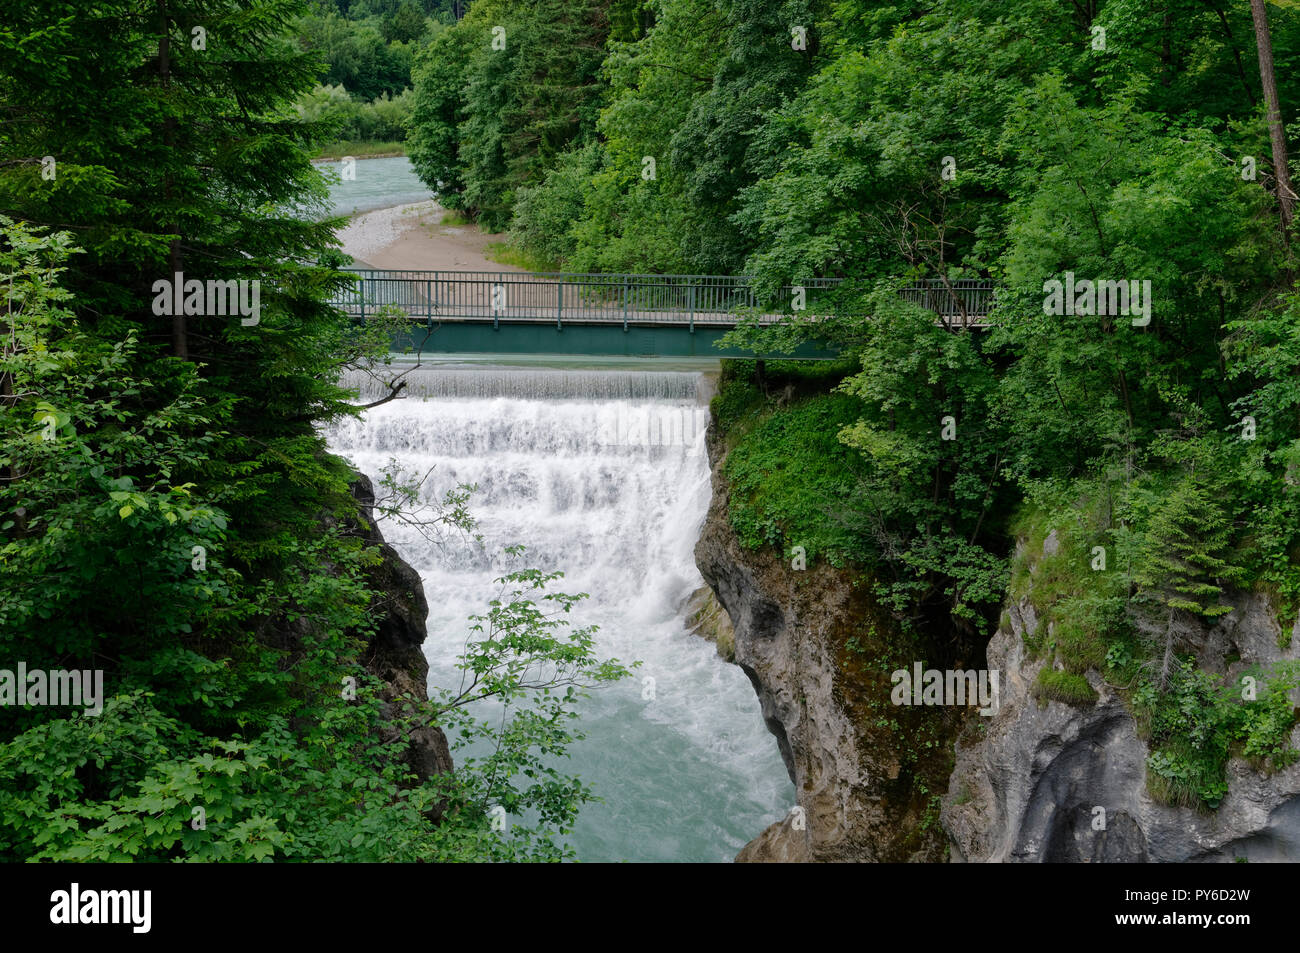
x=413 y=237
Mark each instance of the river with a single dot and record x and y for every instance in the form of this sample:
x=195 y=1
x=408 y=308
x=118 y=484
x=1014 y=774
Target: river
x=601 y=474
x=378 y=183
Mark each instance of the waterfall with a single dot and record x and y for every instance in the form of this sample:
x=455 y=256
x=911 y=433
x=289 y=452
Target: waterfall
x=602 y=475
x=539 y=384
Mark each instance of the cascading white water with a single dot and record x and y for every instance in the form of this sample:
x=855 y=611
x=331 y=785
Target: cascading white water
x=602 y=475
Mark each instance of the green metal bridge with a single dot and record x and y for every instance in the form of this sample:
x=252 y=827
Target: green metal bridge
x=618 y=315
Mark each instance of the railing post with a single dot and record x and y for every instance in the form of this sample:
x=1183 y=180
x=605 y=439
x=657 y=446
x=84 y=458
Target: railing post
x=692 y=298
x=625 y=290
x=363 y=299
x=559 y=304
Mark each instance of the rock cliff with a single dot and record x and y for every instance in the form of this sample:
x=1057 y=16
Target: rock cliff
x=1024 y=785
x=1028 y=788
x=394 y=654
x=806 y=640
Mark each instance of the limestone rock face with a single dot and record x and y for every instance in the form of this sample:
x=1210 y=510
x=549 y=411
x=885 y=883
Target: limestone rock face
x=706 y=618
x=789 y=630
x=395 y=656
x=1029 y=784
x=781 y=843
x=401 y=628
x=1028 y=787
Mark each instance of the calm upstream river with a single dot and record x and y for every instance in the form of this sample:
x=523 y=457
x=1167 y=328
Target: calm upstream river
x=379 y=183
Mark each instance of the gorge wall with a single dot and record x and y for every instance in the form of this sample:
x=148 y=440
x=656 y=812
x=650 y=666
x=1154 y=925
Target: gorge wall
x=1028 y=785
x=393 y=654
x=1021 y=786
x=808 y=641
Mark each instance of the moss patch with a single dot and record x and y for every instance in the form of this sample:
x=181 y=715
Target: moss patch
x=791 y=480
x=1065 y=687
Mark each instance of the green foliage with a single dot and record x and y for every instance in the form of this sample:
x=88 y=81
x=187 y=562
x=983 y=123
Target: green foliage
x=359 y=150
x=1183 y=558
x=737 y=402
x=97 y=495
x=169 y=513
x=406 y=24
x=495 y=109
x=1084 y=627
x=626 y=220
x=339 y=117
x=791 y=479
x=934 y=492
x=369 y=57
x=1195 y=725
x=508 y=254
x=1264 y=348
x=723 y=142
x=434 y=139
x=545 y=213
x=1068 y=687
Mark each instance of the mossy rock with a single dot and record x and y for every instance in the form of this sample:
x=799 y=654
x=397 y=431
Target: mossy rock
x=1068 y=687
x=706 y=618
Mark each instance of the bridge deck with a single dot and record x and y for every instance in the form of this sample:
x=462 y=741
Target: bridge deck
x=418 y=311
x=681 y=301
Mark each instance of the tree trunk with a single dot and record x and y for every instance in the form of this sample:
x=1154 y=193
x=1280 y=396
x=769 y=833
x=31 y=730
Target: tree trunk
x=1285 y=197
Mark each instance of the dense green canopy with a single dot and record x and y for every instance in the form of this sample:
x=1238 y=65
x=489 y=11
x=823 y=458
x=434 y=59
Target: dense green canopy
x=168 y=513
x=879 y=141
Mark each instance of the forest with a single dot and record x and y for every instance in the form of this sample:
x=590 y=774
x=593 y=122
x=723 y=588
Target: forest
x=170 y=514
x=1025 y=143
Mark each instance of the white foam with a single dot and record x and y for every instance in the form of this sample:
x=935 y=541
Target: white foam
x=689 y=775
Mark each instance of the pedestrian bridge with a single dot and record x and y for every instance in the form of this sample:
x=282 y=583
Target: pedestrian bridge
x=610 y=314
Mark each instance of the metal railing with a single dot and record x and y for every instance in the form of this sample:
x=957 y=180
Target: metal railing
x=677 y=300
x=965 y=301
